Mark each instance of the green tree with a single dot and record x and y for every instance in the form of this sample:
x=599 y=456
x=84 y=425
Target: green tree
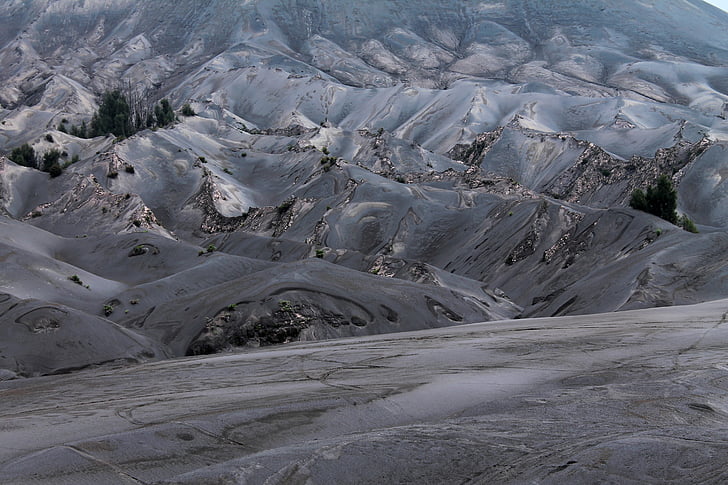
x=639 y=200
x=164 y=113
x=660 y=200
x=113 y=116
x=50 y=158
x=55 y=170
x=187 y=110
x=24 y=155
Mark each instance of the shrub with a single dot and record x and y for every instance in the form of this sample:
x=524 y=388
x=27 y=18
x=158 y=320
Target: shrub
x=211 y=248
x=76 y=279
x=55 y=170
x=108 y=310
x=51 y=158
x=686 y=223
x=319 y=253
x=24 y=155
x=187 y=110
x=659 y=200
x=164 y=113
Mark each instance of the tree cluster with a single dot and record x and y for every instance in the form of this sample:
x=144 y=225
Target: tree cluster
x=123 y=112
x=50 y=161
x=661 y=200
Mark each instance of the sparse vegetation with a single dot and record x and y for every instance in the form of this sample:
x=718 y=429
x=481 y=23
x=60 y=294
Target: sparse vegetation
x=163 y=113
x=114 y=116
x=51 y=158
x=76 y=279
x=320 y=253
x=55 y=170
x=137 y=251
x=24 y=155
x=123 y=112
x=108 y=310
x=686 y=223
x=187 y=110
x=659 y=200
x=285 y=306
x=211 y=248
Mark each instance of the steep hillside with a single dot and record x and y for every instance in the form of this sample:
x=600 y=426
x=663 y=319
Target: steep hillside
x=352 y=169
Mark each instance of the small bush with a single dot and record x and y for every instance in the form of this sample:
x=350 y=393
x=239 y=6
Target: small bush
x=687 y=224
x=51 y=158
x=55 y=170
x=211 y=248
x=49 y=138
x=128 y=168
x=108 y=310
x=187 y=110
x=320 y=253
x=76 y=279
x=24 y=155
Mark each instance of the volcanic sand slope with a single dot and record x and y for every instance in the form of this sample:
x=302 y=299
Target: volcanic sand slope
x=447 y=164
x=628 y=397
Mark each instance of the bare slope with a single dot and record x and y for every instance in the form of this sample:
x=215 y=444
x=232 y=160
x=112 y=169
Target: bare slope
x=630 y=397
x=357 y=170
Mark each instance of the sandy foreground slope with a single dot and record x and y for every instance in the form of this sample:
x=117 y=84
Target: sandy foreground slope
x=629 y=397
